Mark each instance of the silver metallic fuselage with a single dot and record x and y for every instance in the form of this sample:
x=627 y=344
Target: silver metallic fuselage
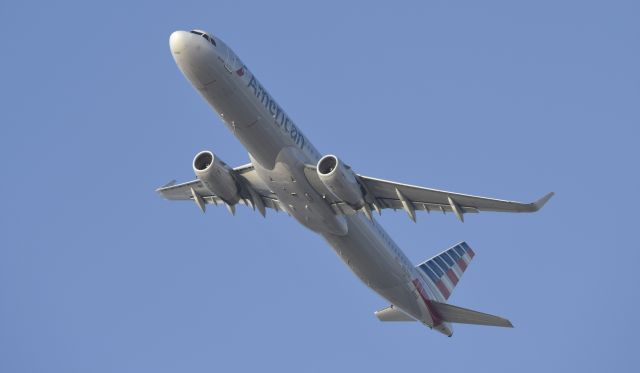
x=279 y=151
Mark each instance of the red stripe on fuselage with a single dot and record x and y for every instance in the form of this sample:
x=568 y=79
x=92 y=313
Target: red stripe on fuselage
x=427 y=302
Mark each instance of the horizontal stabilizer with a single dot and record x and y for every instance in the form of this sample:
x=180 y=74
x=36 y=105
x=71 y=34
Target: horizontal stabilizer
x=455 y=314
x=393 y=313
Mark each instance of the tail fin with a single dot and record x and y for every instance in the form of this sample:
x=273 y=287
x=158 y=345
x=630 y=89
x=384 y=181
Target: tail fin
x=451 y=313
x=445 y=269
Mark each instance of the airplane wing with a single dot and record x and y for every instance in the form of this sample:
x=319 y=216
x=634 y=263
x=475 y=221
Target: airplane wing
x=253 y=192
x=384 y=194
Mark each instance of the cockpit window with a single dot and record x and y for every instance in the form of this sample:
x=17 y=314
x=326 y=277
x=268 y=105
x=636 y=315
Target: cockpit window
x=204 y=35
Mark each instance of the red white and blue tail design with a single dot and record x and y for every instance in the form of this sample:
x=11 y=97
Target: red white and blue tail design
x=444 y=270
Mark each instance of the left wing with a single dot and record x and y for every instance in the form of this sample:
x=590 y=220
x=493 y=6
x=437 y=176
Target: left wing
x=384 y=194
x=252 y=190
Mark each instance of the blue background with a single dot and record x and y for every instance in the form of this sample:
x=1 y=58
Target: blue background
x=99 y=274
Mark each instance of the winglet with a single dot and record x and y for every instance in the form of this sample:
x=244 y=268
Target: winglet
x=537 y=205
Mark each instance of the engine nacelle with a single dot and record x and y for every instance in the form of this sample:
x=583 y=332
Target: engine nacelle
x=341 y=181
x=216 y=176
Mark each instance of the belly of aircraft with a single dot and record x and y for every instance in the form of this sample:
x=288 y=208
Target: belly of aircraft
x=296 y=195
x=245 y=120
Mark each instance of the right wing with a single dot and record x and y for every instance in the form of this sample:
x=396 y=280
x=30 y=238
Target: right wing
x=252 y=191
x=384 y=194
x=391 y=194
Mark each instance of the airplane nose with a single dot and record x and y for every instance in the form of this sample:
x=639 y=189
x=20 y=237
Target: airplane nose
x=193 y=55
x=178 y=41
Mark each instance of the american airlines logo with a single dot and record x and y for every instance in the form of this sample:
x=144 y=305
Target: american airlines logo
x=280 y=118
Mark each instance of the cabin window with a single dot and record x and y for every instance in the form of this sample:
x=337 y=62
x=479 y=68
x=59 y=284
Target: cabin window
x=204 y=35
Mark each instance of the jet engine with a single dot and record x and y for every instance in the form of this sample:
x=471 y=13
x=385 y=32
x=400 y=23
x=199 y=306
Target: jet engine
x=216 y=176
x=341 y=181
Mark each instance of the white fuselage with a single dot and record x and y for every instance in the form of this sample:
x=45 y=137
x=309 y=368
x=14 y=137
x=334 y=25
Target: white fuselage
x=279 y=151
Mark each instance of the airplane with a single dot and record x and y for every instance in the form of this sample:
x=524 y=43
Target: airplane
x=287 y=173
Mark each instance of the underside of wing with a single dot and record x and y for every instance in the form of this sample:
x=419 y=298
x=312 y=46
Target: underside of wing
x=391 y=195
x=252 y=191
x=383 y=194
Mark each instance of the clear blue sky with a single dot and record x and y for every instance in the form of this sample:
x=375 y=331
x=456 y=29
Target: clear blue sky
x=99 y=274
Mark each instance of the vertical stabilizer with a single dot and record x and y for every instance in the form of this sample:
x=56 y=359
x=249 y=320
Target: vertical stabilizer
x=444 y=270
